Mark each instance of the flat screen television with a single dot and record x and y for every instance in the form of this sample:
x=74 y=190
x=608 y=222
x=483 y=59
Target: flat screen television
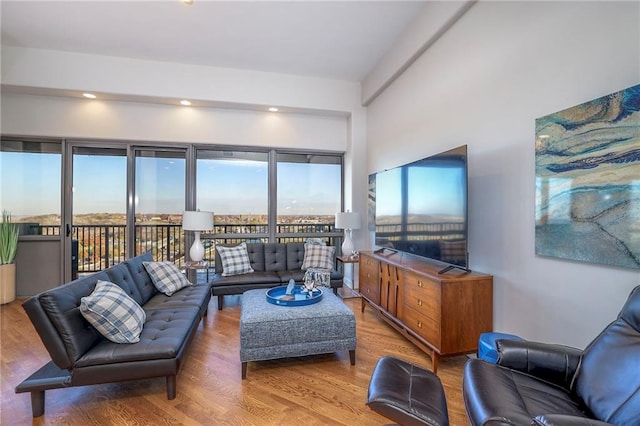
x=421 y=208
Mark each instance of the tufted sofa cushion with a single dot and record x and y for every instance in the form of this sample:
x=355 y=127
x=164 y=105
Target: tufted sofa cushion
x=164 y=334
x=295 y=256
x=139 y=274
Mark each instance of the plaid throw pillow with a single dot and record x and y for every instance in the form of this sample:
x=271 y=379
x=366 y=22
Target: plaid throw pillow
x=166 y=277
x=317 y=256
x=235 y=260
x=113 y=313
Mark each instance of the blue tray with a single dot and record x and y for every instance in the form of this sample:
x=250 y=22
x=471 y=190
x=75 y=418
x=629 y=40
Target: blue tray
x=275 y=295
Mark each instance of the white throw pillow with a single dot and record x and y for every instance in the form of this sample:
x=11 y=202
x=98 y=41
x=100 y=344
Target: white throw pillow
x=166 y=277
x=235 y=260
x=317 y=256
x=113 y=313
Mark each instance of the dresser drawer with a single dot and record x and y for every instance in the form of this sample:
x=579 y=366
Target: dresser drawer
x=421 y=287
x=369 y=276
x=369 y=267
x=423 y=326
x=424 y=305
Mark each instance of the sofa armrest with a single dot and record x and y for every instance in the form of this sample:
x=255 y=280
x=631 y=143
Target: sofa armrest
x=555 y=364
x=566 y=420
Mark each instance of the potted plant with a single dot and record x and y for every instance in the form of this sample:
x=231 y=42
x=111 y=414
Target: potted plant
x=8 y=248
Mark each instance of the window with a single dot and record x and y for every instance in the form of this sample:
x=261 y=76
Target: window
x=30 y=184
x=99 y=223
x=160 y=192
x=309 y=194
x=269 y=196
x=235 y=186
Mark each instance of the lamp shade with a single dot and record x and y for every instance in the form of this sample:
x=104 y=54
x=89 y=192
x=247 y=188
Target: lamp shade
x=197 y=221
x=347 y=220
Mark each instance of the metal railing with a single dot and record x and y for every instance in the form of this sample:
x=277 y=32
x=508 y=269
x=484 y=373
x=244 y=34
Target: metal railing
x=422 y=231
x=96 y=247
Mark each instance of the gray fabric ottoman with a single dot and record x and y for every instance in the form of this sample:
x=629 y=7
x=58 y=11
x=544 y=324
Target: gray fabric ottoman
x=269 y=331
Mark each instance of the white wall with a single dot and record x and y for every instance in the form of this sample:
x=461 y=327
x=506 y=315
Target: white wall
x=49 y=69
x=33 y=115
x=320 y=113
x=483 y=83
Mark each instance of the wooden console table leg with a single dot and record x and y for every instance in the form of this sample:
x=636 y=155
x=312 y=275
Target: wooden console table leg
x=363 y=303
x=435 y=359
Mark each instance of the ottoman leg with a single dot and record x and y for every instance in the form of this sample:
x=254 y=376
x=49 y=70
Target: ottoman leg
x=352 y=356
x=407 y=394
x=244 y=370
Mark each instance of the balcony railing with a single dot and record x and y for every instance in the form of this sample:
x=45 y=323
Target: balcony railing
x=96 y=247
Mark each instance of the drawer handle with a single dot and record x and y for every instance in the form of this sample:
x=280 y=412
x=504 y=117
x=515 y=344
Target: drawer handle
x=419 y=302
x=419 y=324
x=419 y=283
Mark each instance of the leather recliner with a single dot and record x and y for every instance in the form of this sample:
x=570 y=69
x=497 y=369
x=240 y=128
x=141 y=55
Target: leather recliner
x=545 y=384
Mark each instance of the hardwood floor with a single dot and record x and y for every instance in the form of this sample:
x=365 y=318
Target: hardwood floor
x=315 y=390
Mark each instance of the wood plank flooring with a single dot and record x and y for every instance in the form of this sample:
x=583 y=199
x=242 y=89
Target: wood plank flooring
x=314 y=390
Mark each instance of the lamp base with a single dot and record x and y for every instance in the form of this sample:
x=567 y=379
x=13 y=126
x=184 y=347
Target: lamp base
x=347 y=244
x=196 y=252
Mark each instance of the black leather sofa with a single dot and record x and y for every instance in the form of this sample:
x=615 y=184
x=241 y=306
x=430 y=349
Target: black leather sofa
x=82 y=356
x=274 y=264
x=544 y=384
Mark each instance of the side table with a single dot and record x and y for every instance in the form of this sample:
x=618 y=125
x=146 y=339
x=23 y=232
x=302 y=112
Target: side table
x=343 y=260
x=196 y=270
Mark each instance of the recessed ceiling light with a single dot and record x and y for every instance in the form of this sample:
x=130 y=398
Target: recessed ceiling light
x=273 y=109
x=187 y=1
x=185 y=102
x=89 y=95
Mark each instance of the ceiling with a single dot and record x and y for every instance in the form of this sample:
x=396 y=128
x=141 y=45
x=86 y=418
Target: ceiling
x=329 y=39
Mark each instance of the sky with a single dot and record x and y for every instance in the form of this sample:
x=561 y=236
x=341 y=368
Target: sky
x=432 y=190
x=224 y=187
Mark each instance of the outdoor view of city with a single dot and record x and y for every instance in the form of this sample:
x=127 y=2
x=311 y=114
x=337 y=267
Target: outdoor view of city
x=232 y=184
x=101 y=237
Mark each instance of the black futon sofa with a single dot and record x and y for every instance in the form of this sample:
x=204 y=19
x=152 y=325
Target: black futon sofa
x=82 y=356
x=543 y=384
x=274 y=264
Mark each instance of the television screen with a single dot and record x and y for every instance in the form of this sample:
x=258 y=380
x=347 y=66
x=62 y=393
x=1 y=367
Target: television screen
x=421 y=207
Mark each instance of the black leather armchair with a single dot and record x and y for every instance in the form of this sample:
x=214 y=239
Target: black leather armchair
x=544 y=384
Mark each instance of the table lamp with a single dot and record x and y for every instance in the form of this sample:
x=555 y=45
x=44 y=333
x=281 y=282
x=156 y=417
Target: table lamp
x=197 y=221
x=347 y=221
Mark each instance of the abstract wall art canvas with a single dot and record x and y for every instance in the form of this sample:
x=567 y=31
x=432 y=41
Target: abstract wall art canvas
x=588 y=181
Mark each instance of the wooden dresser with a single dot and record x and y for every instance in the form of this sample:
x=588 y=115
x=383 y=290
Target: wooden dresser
x=442 y=314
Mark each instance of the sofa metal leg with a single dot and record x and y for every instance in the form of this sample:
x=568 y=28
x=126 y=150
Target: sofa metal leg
x=37 y=403
x=171 y=387
x=335 y=291
x=244 y=370
x=220 y=296
x=352 y=356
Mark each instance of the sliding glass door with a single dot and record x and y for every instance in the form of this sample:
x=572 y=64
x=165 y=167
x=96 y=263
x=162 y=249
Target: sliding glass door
x=159 y=193
x=98 y=228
